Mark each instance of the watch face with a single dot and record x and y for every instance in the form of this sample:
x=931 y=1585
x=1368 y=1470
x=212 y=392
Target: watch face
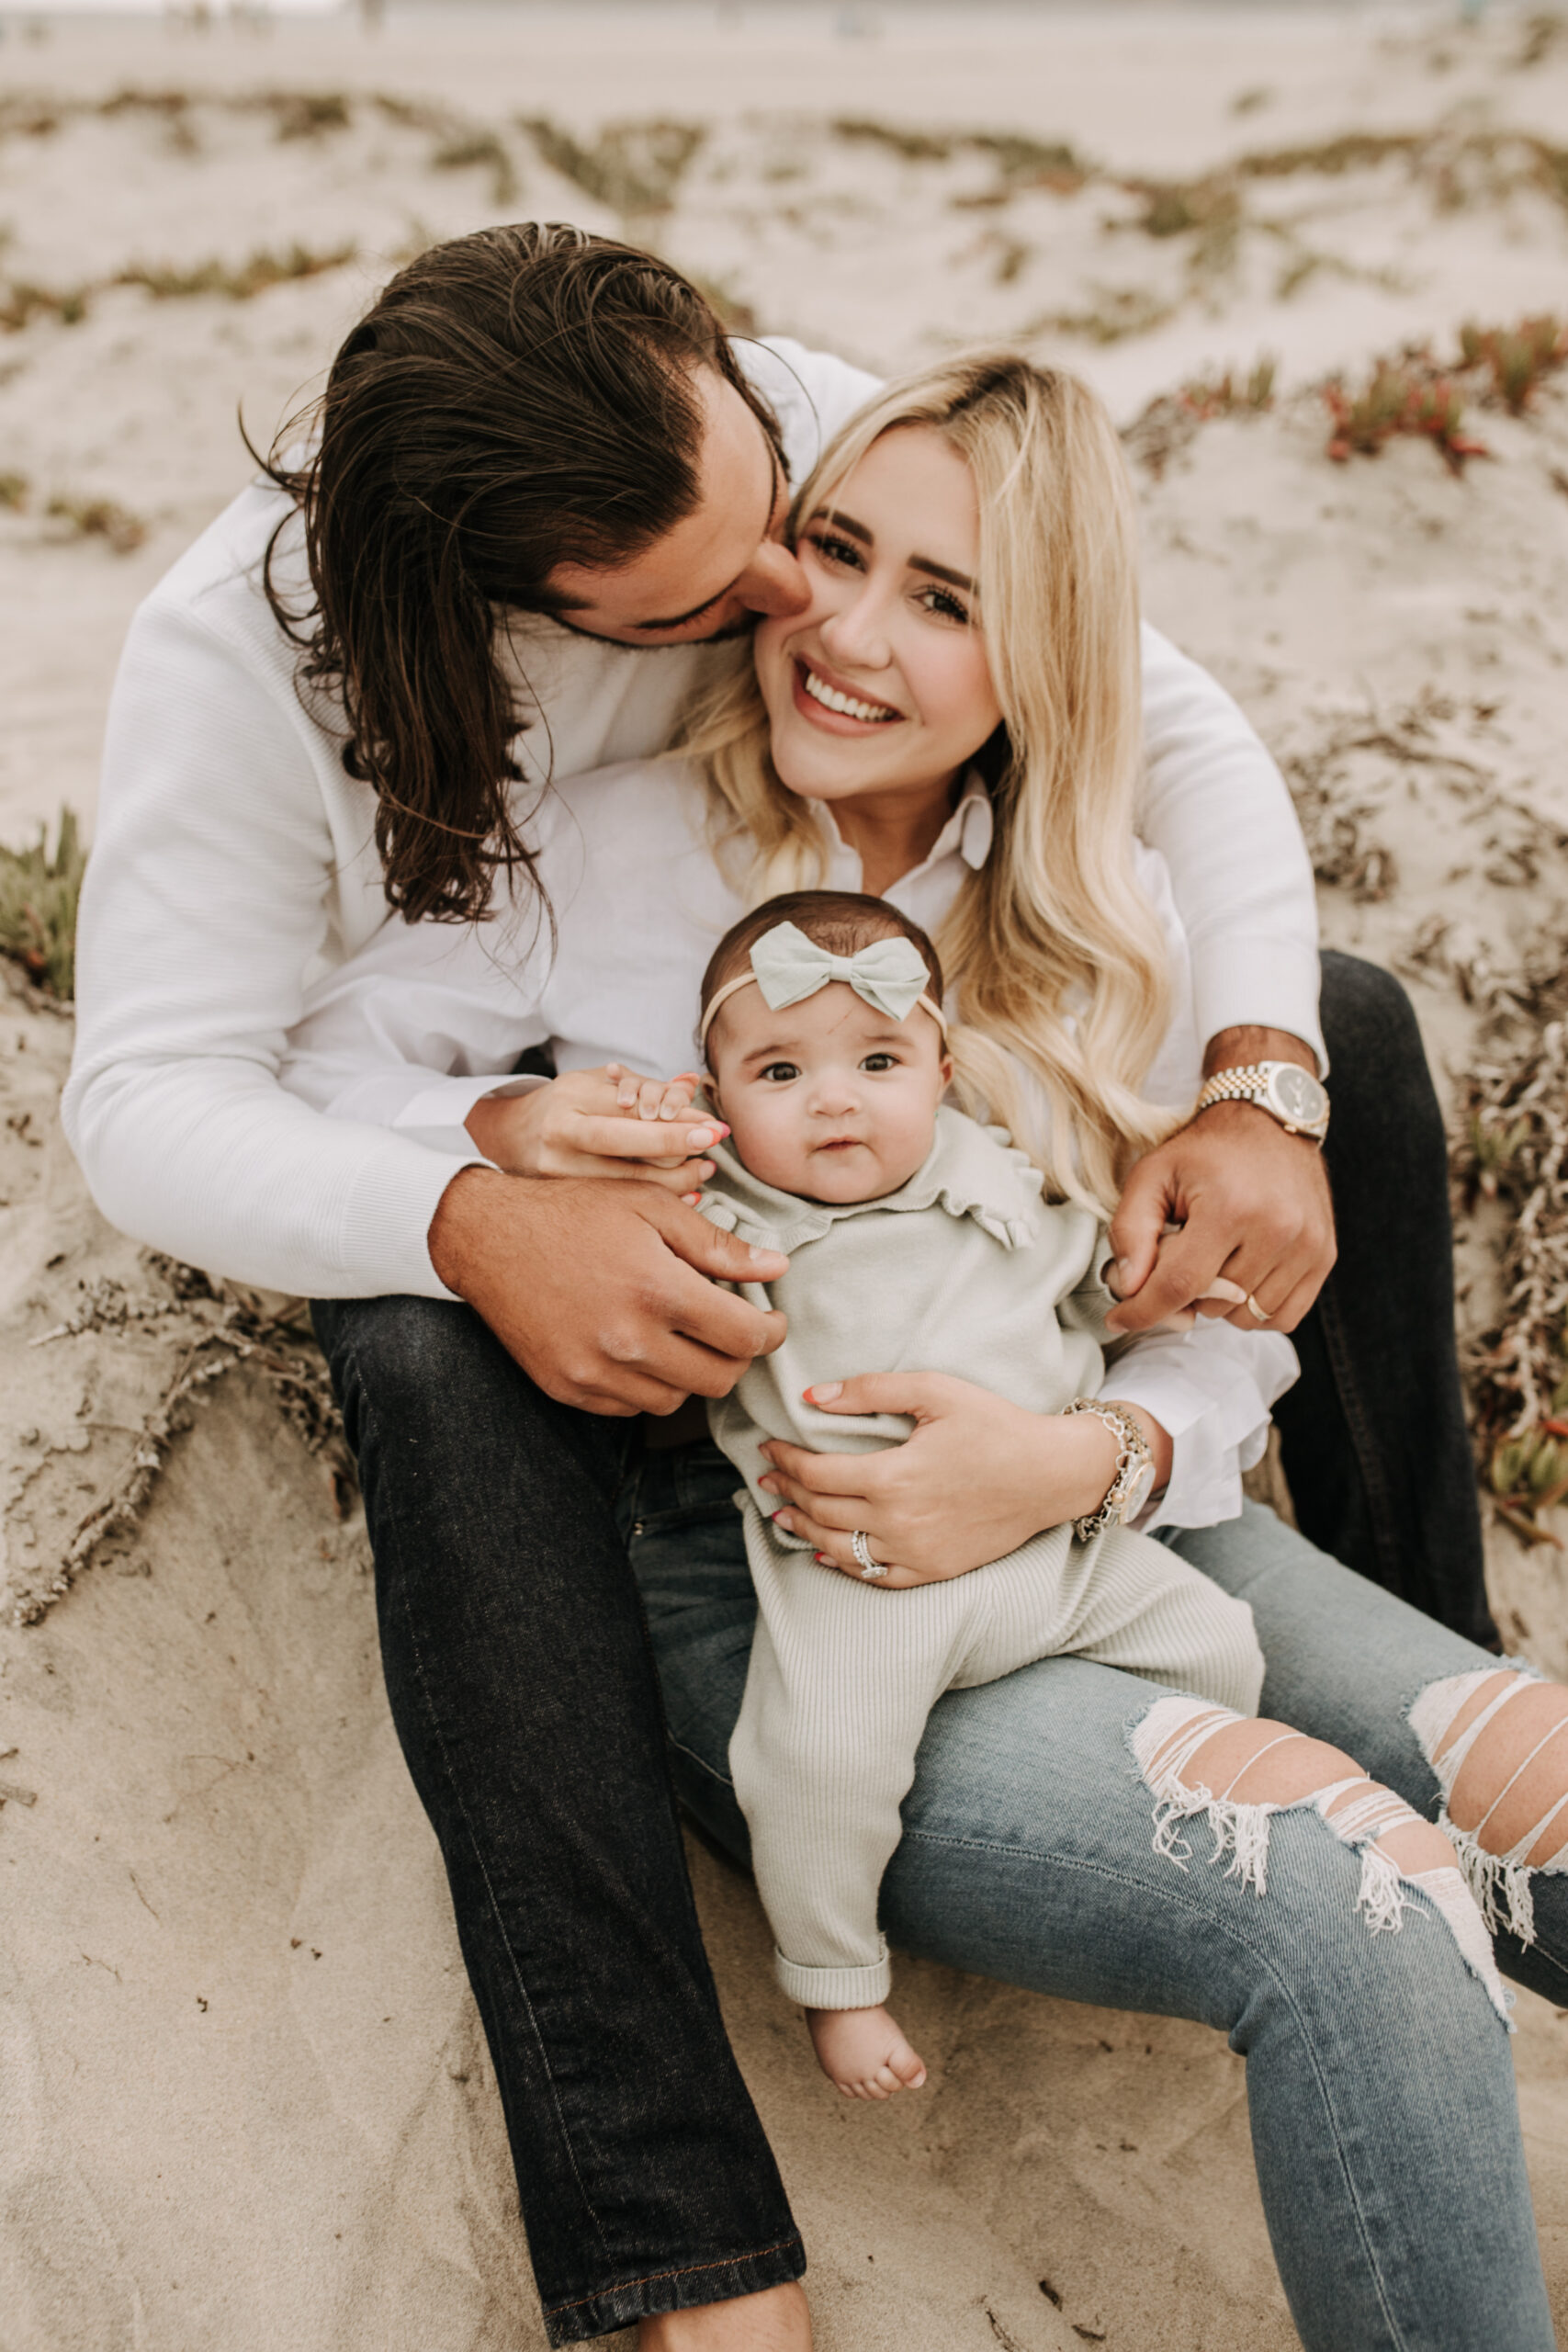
x=1299 y=1095
x=1138 y=1493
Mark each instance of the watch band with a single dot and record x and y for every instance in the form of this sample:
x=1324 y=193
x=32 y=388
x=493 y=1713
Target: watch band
x=1236 y=1085
x=1252 y=1082
x=1135 y=1455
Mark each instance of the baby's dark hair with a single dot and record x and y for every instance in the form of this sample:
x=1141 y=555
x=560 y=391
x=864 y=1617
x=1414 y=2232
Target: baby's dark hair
x=841 y=921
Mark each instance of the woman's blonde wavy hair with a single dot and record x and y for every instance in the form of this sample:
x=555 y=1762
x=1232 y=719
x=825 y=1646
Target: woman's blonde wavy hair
x=1053 y=953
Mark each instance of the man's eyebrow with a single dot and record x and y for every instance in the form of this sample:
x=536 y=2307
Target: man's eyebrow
x=709 y=602
x=927 y=564
x=696 y=612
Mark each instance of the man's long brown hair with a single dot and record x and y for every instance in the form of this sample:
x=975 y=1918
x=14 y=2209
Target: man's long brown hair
x=515 y=400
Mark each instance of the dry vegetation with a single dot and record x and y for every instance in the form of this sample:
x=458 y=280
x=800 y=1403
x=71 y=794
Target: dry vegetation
x=633 y=167
x=211 y=1330
x=1513 y=1151
x=38 y=891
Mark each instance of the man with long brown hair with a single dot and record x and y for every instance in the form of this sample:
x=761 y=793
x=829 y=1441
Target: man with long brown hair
x=541 y=485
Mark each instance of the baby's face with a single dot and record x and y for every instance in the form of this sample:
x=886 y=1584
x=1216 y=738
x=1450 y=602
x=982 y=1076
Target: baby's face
x=829 y=1099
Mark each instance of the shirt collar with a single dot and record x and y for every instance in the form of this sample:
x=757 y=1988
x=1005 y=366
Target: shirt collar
x=973 y=823
x=968 y=833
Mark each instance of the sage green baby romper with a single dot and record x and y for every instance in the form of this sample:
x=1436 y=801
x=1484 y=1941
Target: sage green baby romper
x=966 y=1269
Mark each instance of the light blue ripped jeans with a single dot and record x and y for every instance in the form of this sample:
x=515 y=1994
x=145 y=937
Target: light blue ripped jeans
x=1384 y=2123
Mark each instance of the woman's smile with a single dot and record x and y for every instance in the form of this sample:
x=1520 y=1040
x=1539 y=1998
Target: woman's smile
x=827 y=701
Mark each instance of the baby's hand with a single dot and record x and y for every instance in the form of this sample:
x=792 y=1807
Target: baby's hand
x=651 y=1097
x=605 y=1121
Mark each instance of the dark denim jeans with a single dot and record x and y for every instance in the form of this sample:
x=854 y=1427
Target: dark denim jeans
x=1373 y=1434
x=522 y=1687
x=524 y=1692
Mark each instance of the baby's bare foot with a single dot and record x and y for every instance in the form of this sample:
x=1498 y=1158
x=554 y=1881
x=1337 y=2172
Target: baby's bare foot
x=863 y=2052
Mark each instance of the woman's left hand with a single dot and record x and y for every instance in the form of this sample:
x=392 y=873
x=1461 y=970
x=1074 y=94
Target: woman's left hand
x=977 y=1477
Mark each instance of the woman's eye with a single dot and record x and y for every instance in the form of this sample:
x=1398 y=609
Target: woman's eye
x=780 y=1073
x=943 y=601
x=880 y=1061
x=833 y=549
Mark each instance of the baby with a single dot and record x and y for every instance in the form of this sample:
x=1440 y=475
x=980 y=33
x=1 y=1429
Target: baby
x=917 y=1241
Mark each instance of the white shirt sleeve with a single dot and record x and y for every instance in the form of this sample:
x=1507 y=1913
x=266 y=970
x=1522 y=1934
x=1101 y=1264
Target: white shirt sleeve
x=204 y=905
x=1215 y=807
x=425 y=1020
x=1209 y=1389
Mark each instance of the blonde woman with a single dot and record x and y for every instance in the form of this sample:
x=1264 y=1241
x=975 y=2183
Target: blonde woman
x=949 y=721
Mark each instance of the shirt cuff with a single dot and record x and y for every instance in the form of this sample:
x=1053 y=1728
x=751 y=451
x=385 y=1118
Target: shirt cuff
x=435 y=1117
x=1210 y=1390
x=384 y=1238
x=1257 y=983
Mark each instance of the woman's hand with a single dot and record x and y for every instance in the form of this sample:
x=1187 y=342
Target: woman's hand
x=977 y=1477
x=606 y=1122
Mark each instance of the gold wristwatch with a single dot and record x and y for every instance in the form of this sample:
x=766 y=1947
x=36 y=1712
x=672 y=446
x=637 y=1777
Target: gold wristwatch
x=1284 y=1089
x=1131 y=1488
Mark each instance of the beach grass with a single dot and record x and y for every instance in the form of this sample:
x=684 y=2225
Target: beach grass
x=462 y=150
x=237 y=281
x=98 y=518
x=1518 y=359
x=38 y=893
x=633 y=167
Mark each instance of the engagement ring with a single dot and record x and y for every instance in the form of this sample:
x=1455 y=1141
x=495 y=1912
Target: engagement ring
x=861 y=1550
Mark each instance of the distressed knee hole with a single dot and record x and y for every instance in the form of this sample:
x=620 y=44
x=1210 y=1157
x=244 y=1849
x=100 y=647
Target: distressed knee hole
x=1497 y=1741
x=1417 y=1846
x=1207 y=1763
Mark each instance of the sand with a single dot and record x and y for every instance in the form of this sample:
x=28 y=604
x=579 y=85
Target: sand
x=245 y=2099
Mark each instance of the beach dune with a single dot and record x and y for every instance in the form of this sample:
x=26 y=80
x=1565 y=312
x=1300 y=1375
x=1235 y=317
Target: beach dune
x=244 y=2097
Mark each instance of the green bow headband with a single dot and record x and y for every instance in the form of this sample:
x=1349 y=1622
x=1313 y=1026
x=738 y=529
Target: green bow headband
x=890 y=974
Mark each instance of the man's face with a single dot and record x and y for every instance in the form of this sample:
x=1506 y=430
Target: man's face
x=712 y=572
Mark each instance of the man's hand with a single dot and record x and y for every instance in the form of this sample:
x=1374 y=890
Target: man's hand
x=1253 y=1203
x=603 y=1293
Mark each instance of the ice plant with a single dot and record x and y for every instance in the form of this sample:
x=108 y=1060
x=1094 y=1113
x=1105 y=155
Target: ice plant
x=1404 y=396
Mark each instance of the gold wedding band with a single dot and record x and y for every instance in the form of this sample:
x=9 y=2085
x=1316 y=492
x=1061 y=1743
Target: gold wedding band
x=1260 y=1312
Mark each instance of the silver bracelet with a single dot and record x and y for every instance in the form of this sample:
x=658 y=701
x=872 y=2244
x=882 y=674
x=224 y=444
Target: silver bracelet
x=1135 y=1468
